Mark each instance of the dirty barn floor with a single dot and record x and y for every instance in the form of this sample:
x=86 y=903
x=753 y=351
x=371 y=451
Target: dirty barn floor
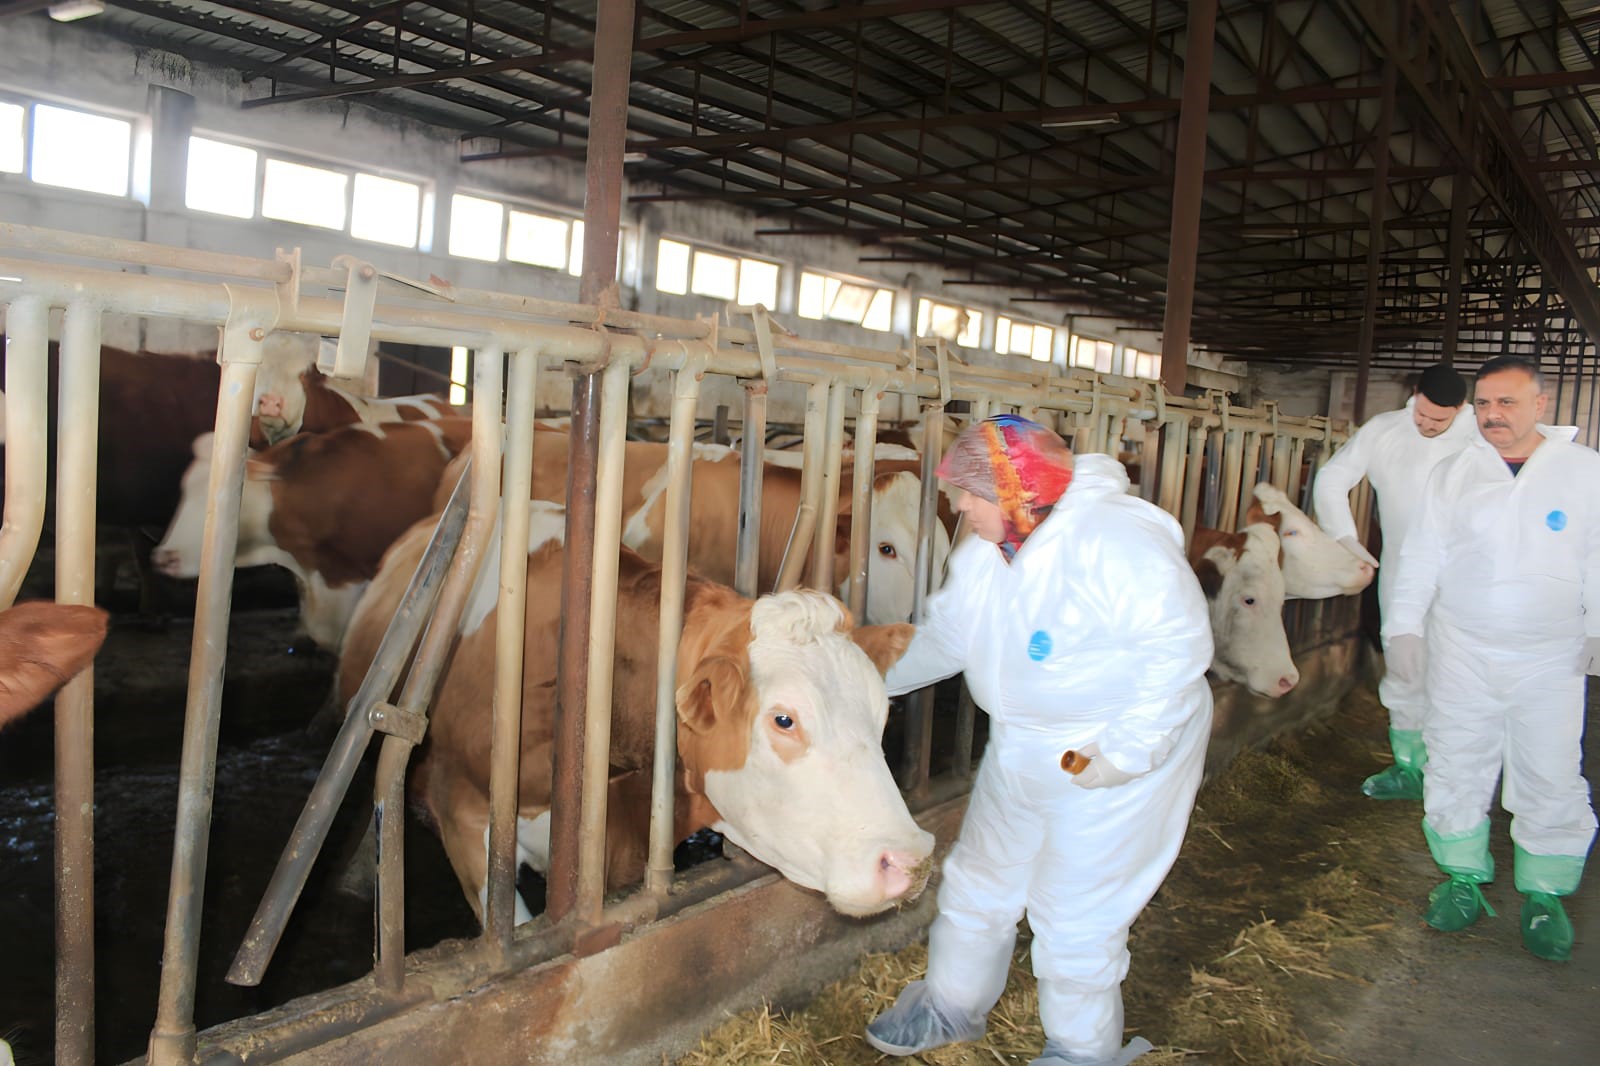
x=1289 y=932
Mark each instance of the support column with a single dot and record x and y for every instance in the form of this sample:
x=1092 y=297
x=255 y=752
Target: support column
x=1187 y=185
x=1376 y=210
x=1460 y=191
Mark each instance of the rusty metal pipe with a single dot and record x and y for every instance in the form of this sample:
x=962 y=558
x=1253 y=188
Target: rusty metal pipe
x=27 y=438
x=861 y=545
x=510 y=633
x=77 y=431
x=752 y=463
x=674 y=571
x=602 y=643
x=433 y=655
x=172 y=1040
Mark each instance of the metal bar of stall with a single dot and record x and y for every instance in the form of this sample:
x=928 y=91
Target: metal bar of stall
x=1174 y=437
x=747 y=558
x=674 y=571
x=1194 y=472
x=861 y=499
x=1211 y=509
x=1249 y=471
x=602 y=644
x=77 y=431
x=27 y=428
x=344 y=755
x=824 y=542
x=505 y=750
x=172 y=1040
x=813 y=449
x=1232 y=468
x=919 y=710
x=422 y=680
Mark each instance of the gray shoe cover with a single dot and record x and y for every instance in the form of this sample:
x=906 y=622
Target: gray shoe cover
x=917 y=1022
x=1055 y=1055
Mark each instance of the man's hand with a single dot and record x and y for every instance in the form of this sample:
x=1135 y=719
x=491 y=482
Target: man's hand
x=1101 y=771
x=1589 y=658
x=1406 y=657
x=1353 y=546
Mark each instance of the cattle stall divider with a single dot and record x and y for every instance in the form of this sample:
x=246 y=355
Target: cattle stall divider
x=1187 y=441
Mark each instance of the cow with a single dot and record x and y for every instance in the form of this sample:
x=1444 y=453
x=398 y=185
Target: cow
x=1315 y=566
x=714 y=516
x=42 y=647
x=1242 y=577
x=780 y=707
x=288 y=402
x=323 y=506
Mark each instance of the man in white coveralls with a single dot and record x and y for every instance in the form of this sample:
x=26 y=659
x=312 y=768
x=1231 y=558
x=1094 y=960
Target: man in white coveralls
x=1396 y=451
x=1084 y=633
x=1502 y=575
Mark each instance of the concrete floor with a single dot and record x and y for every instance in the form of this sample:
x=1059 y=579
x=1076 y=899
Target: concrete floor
x=1475 y=997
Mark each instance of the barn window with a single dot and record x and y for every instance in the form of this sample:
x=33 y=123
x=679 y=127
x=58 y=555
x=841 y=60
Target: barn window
x=77 y=150
x=221 y=178
x=385 y=210
x=311 y=196
x=672 y=267
x=1024 y=338
x=825 y=296
x=1090 y=354
x=962 y=325
x=758 y=283
x=715 y=275
x=475 y=227
x=542 y=240
x=1139 y=364
x=11 y=116
x=460 y=374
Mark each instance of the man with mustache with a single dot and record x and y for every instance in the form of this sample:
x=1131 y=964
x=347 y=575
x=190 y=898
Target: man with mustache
x=1396 y=451
x=1504 y=568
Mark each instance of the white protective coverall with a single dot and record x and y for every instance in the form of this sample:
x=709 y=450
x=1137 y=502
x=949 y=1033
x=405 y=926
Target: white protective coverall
x=1095 y=633
x=1390 y=453
x=1505 y=573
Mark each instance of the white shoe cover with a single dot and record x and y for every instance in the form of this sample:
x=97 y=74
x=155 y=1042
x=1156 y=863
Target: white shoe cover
x=917 y=1022
x=1055 y=1055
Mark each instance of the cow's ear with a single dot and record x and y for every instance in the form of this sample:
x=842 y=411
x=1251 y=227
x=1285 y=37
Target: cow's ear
x=43 y=645
x=1268 y=498
x=1258 y=514
x=714 y=691
x=884 y=644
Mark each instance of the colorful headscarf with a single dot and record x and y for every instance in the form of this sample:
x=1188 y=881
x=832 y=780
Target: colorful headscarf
x=1012 y=462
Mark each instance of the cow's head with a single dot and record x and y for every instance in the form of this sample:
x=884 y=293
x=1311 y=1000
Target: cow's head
x=42 y=646
x=892 y=551
x=1315 y=566
x=781 y=728
x=1242 y=577
x=288 y=360
x=178 y=554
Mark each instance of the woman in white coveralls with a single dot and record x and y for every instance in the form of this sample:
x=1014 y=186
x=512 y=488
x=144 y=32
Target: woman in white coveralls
x=1081 y=629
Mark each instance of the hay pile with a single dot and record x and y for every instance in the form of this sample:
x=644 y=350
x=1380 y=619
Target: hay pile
x=1267 y=892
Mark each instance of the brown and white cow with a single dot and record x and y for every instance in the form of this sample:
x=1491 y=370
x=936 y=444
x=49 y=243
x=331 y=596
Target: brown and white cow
x=1242 y=576
x=301 y=399
x=1315 y=566
x=42 y=647
x=781 y=708
x=714 y=516
x=324 y=506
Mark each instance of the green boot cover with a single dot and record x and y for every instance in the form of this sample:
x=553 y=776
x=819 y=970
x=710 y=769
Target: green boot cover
x=1456 y=904
x=1553 y=875
x=1546 y=929
x=1403 y=780
x=1463 y=854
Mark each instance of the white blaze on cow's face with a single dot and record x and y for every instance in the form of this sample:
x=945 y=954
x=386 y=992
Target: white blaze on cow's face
x=813 y=797
x=892 y=551
x=1244 y=589
x=280 y=397
x=1315 y=566
x=178 y=554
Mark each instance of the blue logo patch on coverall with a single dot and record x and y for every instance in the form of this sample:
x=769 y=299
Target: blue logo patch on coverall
x=1039 y=645
x=1556 y=520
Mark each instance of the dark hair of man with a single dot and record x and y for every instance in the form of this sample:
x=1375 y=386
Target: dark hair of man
x=1502 y=363
x=1442 y=385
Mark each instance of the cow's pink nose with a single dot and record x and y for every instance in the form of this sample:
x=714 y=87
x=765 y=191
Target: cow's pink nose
x=901 y=874
x=1288 y=681
x=270 y=406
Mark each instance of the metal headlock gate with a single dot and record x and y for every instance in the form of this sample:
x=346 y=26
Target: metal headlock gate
x=1199 y=460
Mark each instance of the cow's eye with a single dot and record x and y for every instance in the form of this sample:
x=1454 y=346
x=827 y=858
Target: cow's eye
x=1249 y=601
x=783 y=722
x=887 y=551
